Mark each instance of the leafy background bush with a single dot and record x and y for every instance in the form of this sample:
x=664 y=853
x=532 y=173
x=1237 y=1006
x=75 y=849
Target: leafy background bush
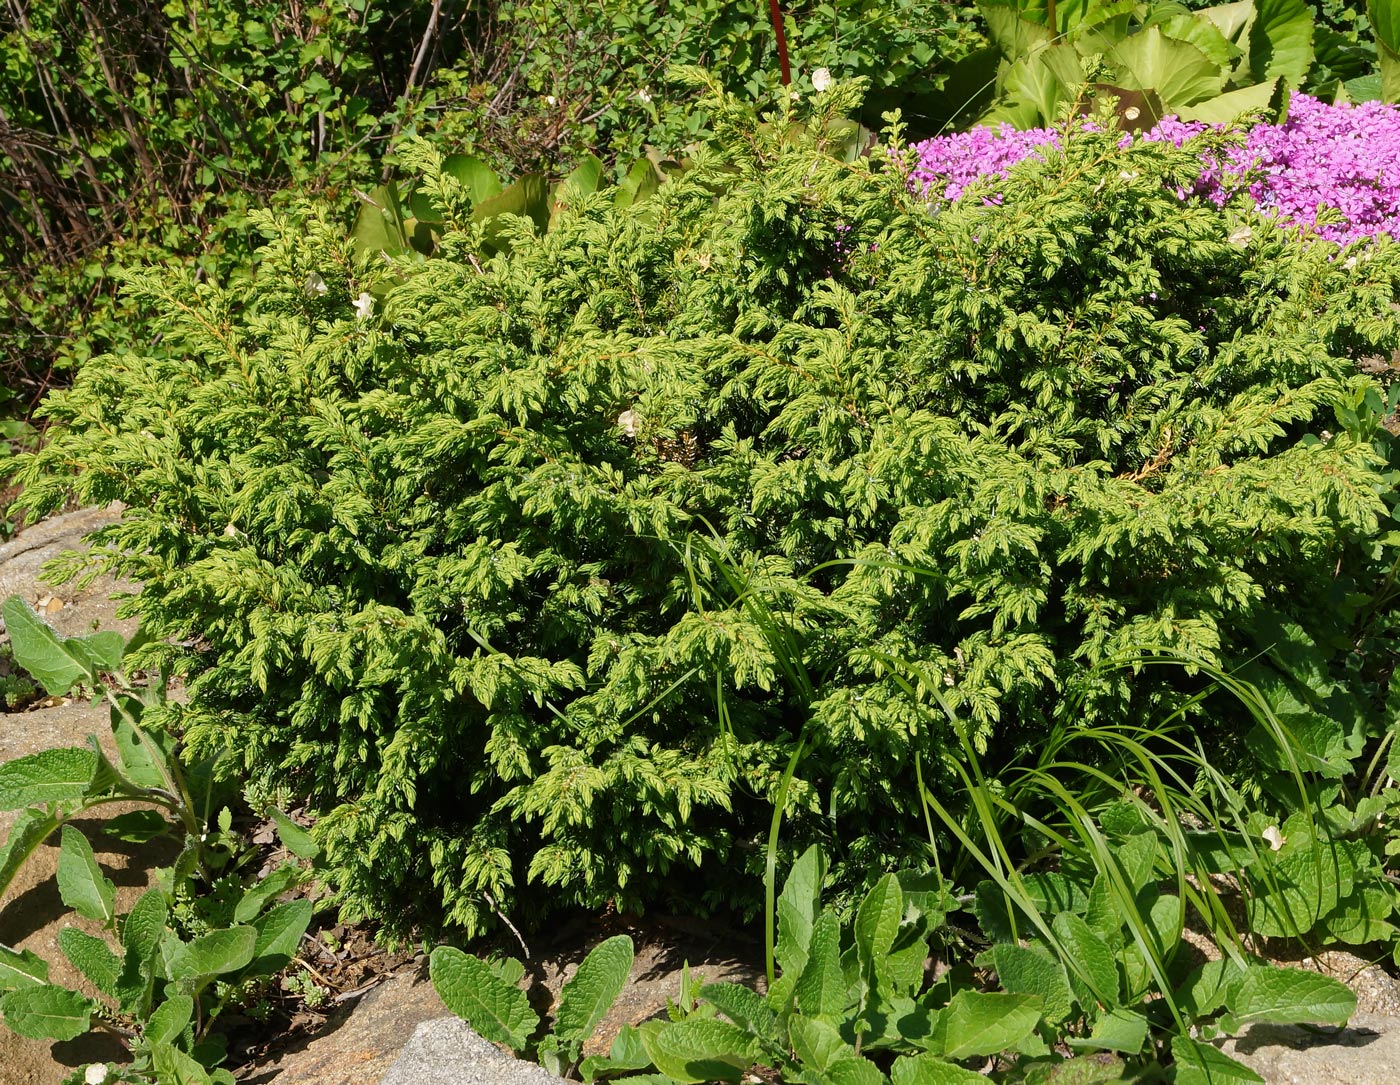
x=541 y=569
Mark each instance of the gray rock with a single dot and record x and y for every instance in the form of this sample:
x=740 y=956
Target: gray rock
x=447 y=1052
x=1367 y=1052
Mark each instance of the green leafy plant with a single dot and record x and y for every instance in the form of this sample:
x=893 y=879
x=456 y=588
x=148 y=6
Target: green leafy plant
x=160 y=968
x=488 y=997
x=1155 y=59
x=852 y=1002
x=432 y=558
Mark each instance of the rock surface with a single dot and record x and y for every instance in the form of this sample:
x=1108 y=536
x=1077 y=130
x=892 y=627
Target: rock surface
x=1367 y=1052
x=31 y=915
x=447 y=1052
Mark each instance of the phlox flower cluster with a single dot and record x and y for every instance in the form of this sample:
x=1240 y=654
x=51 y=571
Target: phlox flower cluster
x=1343 y=157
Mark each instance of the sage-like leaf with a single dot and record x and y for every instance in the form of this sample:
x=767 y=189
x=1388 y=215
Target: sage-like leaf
x=821 y=989
x=22 y=968
x=498 y=1011
x=60 y=775
x=91 y=956
x=701 y=1049
x=279 y=934
x=214 y=954
x=1288 y=996
x=81 y=883
x=586 y=999
x=46 y=1012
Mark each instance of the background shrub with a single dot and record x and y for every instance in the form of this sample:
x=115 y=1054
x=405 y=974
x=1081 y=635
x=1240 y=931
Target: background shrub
x=537 y=568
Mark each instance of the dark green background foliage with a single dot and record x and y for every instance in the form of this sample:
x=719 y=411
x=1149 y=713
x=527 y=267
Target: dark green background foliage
x=136 y=133
x=435 y=584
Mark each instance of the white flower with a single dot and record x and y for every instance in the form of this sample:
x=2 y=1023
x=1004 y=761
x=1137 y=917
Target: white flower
x=364 y=306
x=95 y=1074
x=1240 y=235
x=643 y=95
x=821 y=80
x=1132 y=113
x=627 y=422
x=551 y=100
x=1274 y=838
x=315 y=286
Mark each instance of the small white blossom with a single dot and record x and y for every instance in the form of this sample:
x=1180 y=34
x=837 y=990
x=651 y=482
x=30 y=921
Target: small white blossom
x=364 y=306
x=821 y=80
x=550 y=99
x=643 y=95
x=1240 y=235
x=95 y=1074
x=1274 y=838
x=315 y=286
x=1132 y=113
x=627 y=422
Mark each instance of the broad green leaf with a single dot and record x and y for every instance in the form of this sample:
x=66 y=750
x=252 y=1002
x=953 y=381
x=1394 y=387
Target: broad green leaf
x=1385 y=23
x=57 y=662
x=279 y=935
x=81 y=883
x=1013 y=35
x=46 y=1012
x=1120 y=1030
x=1288 y=996
x=498 y=1011
x=1091 y=956
x=527 y=196
x=585 y=1000
x=821 y=989
x=641 y=180
x=701 y=1049
x=145 y=924
x=1230 y=106
x=1201 y=1064
x=627 y=1053
x=797 y=910
x=877 y=923
x=1305 y=890
x=476 y=176
x=816 y=1042
x=294 y=838
x=169 y=1020
x=92 y=957
x=1361 y=918
x=380 y=226
x=214 y=954
x=1232 y=20
x=136 y=826
x=743 y=1005
x=1137 y=856
x=1096 y=1069
x=1281 y=40
x=140 y=752
x=854 y=1070
x=583 y=181
x=21 y=969
x=60 y=775
x=30 y=829
x=1031 y=970
x=175 y=1067
x=978 y=1024
x=1204 y=35
x=257 y=896
x=1179 y=72
x=931 y=1070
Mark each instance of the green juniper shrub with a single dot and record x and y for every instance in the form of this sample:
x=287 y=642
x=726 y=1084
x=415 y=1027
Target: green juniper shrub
x=535 y=569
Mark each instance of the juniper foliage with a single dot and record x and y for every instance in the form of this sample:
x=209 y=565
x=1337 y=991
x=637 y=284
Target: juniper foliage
x=513 y=576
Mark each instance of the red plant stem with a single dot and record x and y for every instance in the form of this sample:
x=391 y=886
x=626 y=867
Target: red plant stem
x=777 y=15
